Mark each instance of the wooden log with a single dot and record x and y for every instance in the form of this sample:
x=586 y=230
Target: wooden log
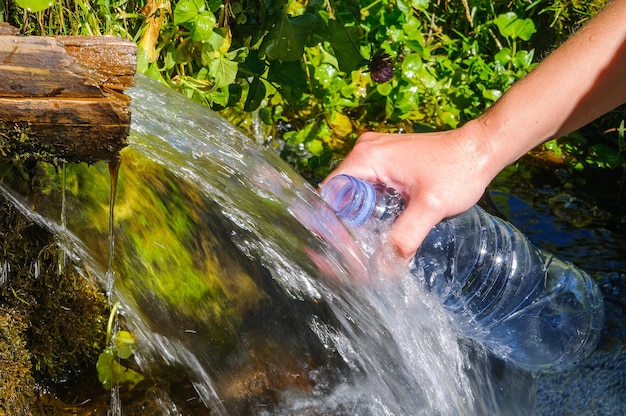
x=62 y=98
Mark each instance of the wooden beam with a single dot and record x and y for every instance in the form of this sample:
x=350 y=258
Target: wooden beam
x=62 y=98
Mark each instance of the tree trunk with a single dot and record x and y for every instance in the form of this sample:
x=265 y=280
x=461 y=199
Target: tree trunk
x=61 y=98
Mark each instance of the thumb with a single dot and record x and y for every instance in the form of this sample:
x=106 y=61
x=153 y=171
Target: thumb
x=410 y=229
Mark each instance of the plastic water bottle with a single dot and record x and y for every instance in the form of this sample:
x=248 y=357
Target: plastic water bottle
x=525 y=305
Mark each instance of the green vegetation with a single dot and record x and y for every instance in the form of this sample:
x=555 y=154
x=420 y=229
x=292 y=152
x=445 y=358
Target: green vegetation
x=303 y=69
x=120 y=346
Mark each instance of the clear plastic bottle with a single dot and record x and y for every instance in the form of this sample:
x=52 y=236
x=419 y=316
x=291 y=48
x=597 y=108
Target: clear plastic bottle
x=527 y=306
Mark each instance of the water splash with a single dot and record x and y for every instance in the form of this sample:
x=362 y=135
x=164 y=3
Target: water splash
x=5 y=269
x=114 y=167
x=230 y=266
x=63 y=219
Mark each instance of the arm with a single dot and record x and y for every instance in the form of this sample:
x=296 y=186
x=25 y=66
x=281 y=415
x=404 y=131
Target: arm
x=577 y=83
x=445 y=173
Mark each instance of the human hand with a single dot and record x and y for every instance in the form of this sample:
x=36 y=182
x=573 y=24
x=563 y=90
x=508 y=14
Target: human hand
x=443 y=174
x=440 y=174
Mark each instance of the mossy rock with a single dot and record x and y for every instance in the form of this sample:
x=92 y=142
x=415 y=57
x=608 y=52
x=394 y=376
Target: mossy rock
x=52 y=318
x=16 y=382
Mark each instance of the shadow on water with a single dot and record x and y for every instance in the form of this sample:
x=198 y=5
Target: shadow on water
x=233 y=273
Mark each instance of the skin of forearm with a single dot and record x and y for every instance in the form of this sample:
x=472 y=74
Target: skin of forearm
x=577 y=83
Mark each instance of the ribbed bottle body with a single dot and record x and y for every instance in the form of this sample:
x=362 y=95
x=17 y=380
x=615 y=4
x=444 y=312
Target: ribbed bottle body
x=524 y=304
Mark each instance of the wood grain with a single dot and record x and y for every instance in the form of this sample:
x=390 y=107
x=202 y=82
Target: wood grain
x=62 y=98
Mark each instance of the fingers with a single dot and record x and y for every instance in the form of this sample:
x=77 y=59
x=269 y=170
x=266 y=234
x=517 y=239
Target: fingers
x=411 y=228
x=361 y=161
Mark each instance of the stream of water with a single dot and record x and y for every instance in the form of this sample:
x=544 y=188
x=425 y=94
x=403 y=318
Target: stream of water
x=229 y=267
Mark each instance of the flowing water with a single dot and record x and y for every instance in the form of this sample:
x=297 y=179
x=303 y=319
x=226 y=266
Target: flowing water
x=230 y=269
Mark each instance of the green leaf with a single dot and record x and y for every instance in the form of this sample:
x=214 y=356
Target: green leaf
x=504 y=56
x=413 y=32
x=504 y=22
x=223 y=71
x=215 y=39
x=345 y=43
x=525 y=29
x=111 y=372
x=238 y=55
x=287 y=74
x=218 y=97
x=407 y=6
x=309 y=27
x=187 y=10
x=214 y=5
x=420 y=4
x=256 y=94
x=266 y=115
x=404 y=6
x=203 y=28
x=152 y=71
x=407 y=99
x=125 y=345
x=142 y=60
x=104 y=367
x=411 y=67
x=34 y=5
x=384 y=89
x=234 y=94
x=171 y=57
x=492 y=94
x=511 y=26
x=208 y=54
x=553 y=146
x=427 y=79
x=203 y=73
x=282 y=42
x=423 y=128
x=523 y=59
x=324 y=74
x=273 y=6
x=253 y=64
x=315 y=146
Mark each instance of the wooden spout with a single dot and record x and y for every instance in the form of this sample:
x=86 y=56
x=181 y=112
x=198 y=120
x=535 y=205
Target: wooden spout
x=61 y=98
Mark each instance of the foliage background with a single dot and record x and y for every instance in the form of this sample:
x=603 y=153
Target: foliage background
x=296 y=74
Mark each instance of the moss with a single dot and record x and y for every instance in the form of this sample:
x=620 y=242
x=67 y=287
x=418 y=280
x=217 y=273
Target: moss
x=16 y=382
x=16 y=143
x=53 y=320
x=560 y=18
x=67 y=326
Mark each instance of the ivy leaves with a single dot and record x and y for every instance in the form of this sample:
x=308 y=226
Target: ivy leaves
x=110 y=370
x=213 y=42
x=287 y=38
x=196 y=51
x=345 y=43
x=187 y=11
x=510 y=26
x=120 y=346
x=302 y=63
x=513 y=28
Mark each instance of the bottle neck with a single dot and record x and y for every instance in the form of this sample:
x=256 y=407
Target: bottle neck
x=389 y=203
x=356 y=201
